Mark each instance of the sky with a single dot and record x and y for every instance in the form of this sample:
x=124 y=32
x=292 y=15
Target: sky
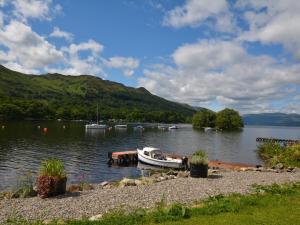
x=240 y=54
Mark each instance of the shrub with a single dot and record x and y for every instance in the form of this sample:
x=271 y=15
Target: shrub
x=229 y=119
x=199 y=158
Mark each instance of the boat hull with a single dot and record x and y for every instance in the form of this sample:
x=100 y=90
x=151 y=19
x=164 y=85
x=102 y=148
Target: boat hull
x=95 y=126
x=156 y=162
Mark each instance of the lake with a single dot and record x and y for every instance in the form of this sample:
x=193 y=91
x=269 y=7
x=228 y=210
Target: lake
x=23 y=146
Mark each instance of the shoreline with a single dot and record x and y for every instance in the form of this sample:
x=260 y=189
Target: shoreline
x=85 y=204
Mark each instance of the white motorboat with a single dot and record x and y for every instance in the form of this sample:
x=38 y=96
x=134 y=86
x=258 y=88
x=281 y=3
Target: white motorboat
x=96 y=125
x=155 y=157
x=121 y=126
x=208 y=129
x=174 y=127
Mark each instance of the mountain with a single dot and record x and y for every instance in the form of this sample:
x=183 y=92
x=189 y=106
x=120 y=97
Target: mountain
x=272 y=119
x=52 y=96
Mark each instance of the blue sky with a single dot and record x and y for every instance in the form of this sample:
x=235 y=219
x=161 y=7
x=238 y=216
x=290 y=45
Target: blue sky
x=241 y=54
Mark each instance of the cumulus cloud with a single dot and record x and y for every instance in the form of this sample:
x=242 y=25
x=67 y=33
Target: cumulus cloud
x=127 y=64
x=273 y=22
x=61 y=34
x=26 y=47
x=221 y=72
x=194 y=12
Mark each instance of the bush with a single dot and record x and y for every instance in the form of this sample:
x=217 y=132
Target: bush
x=274 y=153
x=199 y=158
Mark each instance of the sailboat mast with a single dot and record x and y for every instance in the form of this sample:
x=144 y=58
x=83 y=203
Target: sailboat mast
x=97 y=115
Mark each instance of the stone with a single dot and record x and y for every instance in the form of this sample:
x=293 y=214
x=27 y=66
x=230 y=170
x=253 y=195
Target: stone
x=183 y=174
x=290 y=169
x=279 y=166
x=138 y=182
x=48 y=221
x=104 y=183
x=127 y=182
x=96 y=217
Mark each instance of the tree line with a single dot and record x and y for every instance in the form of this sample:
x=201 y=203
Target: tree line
x=42 y=109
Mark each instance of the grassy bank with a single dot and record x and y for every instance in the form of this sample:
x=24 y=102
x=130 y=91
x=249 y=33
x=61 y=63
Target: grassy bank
x=274 y=153
x=268 y=205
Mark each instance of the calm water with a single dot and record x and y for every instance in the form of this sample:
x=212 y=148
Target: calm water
x=23 y=146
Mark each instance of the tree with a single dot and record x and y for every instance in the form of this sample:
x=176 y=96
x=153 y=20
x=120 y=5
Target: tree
x=204 y=118
x=229 y=119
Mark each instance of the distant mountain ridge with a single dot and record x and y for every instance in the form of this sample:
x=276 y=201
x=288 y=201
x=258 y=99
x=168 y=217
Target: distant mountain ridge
x=76 y=97
x=272 y=119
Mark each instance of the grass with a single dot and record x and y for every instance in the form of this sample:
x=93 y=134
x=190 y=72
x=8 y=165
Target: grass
x=268 y=205
x=274 y=153
x=53 y=168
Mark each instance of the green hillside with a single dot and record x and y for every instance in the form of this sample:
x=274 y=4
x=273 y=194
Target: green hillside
x=53 y=96
x=272 y=119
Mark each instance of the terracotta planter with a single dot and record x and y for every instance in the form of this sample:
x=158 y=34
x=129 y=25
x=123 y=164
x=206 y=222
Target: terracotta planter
x=198 y=171
x=51 y=186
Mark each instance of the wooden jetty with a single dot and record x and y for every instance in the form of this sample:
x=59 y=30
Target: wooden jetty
x=125 y=157
x=276 y=140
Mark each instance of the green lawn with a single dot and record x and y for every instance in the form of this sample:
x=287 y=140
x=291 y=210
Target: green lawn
x=269 y=206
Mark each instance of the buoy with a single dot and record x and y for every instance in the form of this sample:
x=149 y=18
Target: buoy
x=64 y=126
x=3 y=126
x=45 y=129
x=38 y=127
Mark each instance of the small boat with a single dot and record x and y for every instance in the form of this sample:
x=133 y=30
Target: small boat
x=121 y=126
x=96 y=125
x=208 y=129
x=174 y=127
x=139 y=127
x=155 y=157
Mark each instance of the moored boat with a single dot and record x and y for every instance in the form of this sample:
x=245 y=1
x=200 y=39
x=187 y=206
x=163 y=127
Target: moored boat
x=155 y=157
x=121 y=126
x=95 y=126
x=174 y=127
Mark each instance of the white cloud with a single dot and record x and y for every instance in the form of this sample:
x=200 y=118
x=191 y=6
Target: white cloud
x=76 y=65
x=194 y=12
x=273 y=22
x=61 y=34
x=27 y=48
x=126 y=64
x=223 y=73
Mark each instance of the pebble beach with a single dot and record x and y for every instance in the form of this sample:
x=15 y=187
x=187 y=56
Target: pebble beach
x=85 y=204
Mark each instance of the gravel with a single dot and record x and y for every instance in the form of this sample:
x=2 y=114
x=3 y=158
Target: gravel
x=99 y=201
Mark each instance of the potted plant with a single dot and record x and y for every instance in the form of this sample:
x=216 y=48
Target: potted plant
x=199 y=164
x=52 y=179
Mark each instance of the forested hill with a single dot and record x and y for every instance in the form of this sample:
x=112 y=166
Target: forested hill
x=53 y=96
x=272 y=119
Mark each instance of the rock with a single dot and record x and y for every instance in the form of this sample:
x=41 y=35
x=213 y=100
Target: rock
x=243 y=169
x=183 y=174
x=127 y=182
x=279 y=166
x=104 y=183
x=138 y=182
x=172 y=172
x=172 y=176
x=289 y=169
x=271 y=170
x=96 y=217
x=162 y=178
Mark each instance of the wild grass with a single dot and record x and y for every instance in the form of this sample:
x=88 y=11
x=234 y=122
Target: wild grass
x=275 y=204
x=199 y=158
x=53 y=168
x=274 y=153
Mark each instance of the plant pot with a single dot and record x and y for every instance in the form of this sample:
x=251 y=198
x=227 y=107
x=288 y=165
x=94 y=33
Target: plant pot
x=48 y=186
x=199 y=171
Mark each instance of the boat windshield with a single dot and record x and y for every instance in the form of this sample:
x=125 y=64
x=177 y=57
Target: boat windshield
x=157 y=154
